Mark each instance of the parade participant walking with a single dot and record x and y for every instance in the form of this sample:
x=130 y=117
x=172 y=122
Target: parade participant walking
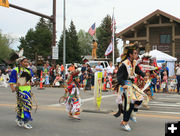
x=73 y=101
x=20 y=82
x=125 y=76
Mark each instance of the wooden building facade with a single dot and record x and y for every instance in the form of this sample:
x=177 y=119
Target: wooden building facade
x=158 y=30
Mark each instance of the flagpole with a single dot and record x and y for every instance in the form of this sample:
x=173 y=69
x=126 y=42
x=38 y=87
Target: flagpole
x=113 y=38
x=64 y=38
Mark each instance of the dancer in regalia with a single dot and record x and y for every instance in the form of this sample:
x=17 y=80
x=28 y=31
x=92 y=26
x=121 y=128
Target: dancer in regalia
x=20 y=82
x=128 y=98
x=72 y=95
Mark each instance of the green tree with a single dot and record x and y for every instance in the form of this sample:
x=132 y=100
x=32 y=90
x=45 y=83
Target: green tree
x=5 y=50
x=38 y=41
x=73 y=52
x=85 y=41
x=104 y=36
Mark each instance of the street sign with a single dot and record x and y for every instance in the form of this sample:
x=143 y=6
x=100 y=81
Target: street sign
x=55 y=52
x=4 y=3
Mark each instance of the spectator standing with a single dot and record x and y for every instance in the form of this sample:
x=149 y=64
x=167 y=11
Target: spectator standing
x=178 y=77
x=93 y=72
x=84 y=68
x=62 y=69
x=89 y=78
x=71 y=68
x=8 y=70
x=164 y=68
x=110 y=69
x=33 y=68
x=52 y=73
x=99 y=67
x=165 y=82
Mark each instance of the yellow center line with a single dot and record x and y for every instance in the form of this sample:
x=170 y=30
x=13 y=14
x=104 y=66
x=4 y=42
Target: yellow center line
x=63 y=109
x=158 y=116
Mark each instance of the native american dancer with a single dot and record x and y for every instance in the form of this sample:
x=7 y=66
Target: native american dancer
x=149 y=66
x=20 y=82
x=128 y=99
x=72 y=97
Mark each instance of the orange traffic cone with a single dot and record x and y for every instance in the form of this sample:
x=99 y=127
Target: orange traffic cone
x=105 y=83
x=41 y=82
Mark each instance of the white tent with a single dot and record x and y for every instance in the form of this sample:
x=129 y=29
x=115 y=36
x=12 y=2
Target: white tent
x=162 y=57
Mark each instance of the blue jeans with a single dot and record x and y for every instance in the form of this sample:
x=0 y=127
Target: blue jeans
x=178 y=83
x=152 y=89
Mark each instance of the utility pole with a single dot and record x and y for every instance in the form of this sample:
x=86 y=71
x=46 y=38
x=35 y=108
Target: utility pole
x=64 y=38
x=54 y=28
x=113 y=39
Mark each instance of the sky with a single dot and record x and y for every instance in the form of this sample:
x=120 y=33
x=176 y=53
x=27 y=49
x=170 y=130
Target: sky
x=83 y=13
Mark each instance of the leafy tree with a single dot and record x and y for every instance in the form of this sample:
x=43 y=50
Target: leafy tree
x=85 y=41
x=5 y=50
x=37 y=41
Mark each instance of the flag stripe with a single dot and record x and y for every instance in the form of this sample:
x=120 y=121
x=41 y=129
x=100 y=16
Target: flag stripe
x=92 y=30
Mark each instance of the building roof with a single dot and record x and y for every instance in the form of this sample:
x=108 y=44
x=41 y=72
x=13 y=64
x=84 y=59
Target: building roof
x=146 y=18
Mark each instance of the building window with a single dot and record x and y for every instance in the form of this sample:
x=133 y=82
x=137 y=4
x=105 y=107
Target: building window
x=154 y=47
x=165 y=39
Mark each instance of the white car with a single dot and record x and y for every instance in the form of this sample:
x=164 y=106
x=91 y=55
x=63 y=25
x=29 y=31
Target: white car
x=105 y=64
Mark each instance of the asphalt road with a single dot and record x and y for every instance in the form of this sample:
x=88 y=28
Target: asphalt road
x=51 y=118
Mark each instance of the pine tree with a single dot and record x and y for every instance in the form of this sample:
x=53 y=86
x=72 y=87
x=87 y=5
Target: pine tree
x=73 y=53
x=104 y=36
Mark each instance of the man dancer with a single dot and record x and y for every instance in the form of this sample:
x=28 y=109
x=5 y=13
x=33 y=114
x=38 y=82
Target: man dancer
x=20 y=82
x=125 y=76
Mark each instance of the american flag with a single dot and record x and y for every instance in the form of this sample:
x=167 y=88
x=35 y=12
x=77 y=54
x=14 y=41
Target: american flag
x=92 y=30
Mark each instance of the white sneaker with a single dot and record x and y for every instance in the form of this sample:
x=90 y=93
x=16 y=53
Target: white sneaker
x=20 y=123
x=27 y=126
x=126 y=127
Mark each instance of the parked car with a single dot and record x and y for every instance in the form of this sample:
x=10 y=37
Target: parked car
x=105 y=64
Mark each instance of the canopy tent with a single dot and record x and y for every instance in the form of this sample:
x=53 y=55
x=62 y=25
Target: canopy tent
x=161 y=58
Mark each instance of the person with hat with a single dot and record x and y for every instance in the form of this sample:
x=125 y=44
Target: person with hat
x=72 y=95
x=20 y=82
x=125 y=76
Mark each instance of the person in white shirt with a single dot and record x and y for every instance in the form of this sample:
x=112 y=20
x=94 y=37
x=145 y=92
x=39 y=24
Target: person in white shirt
x=99 y=67
x=110 y=68
x=110 y=72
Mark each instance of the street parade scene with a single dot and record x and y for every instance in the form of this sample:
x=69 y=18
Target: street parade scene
x=95 y=68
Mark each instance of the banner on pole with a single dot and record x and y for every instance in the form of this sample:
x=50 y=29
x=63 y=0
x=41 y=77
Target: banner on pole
x=109 y=49
x=98 y=89
x=55 y=52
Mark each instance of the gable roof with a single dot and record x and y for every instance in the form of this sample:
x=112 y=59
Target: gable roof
x=148 y=17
